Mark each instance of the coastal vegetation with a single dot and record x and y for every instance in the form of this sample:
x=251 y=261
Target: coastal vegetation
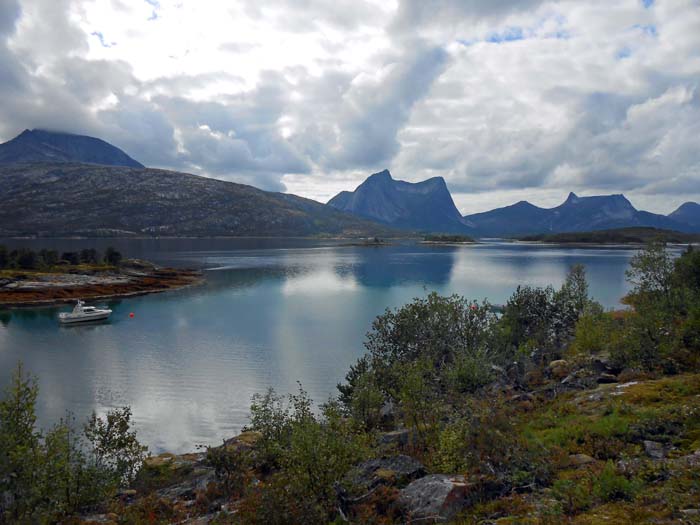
x=637 y=235
x=448 y=239
x=551 y=411
x=52 y=260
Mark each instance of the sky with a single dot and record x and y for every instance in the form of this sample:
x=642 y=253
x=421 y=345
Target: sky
x=507 y=100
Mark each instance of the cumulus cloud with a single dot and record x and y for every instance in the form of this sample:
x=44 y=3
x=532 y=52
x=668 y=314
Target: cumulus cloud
x=505 y=99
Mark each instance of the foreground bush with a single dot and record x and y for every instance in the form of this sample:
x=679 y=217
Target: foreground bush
x=48 y=475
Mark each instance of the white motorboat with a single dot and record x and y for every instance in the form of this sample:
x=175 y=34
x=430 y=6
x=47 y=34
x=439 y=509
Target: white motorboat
x=82 y=313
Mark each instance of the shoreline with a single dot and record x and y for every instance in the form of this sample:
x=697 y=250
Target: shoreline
x=131 y=284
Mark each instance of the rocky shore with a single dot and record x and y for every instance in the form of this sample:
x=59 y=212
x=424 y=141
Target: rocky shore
x=396 y=485
x=133 y=277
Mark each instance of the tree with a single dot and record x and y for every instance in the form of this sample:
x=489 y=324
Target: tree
x=4 y=258
x=71 y=258
x=437 y=329
x=19 y=446
x=48 y=257
x=651 y=273
x=115 y=447
x=26 y=259
x=112 y=256
x=89 y=256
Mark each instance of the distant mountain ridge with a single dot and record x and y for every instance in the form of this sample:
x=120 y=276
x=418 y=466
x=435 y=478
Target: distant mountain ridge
x=576 y=214
x=39 y=145
x=423 y=206
x=688 y=213
x=428 y=206
x=65 y=199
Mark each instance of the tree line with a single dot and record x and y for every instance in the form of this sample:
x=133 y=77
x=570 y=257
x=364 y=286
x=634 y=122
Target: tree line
x=28 y=259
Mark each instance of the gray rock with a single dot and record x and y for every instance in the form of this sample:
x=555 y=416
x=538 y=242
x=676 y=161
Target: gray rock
x=187 y=490
x=399 y=438
x=606 y=379
x=580 y=459
x=654 y=449
x=437 y=497
x=394 y=470
x=387 y=414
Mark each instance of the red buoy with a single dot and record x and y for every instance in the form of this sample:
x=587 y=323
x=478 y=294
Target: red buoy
x=131 y=315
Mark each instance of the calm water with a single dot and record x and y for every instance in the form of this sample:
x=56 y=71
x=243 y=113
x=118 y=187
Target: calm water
x=271 y=313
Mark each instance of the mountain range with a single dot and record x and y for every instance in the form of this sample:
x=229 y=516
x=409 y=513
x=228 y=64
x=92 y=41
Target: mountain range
x=54 y=183
x=38 y=145
x=428 y=207
x=575 y=214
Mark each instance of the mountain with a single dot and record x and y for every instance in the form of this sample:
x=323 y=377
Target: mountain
x=424 y=206
x=688 y=213
x=48 y=146
x=576 y=214
x=61 y=199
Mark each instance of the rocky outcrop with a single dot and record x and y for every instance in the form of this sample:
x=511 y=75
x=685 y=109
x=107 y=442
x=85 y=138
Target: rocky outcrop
x=437 y=497
x=391 y=471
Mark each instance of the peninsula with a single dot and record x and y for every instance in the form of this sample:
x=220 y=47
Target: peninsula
x=44 y=278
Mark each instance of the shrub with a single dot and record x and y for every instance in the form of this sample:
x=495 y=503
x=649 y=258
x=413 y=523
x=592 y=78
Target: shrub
x=435 y=329
x=231 y=467
x=114 y=445
x=574 y=495
x=46 y=476
x=307 y=455
x=611 y=486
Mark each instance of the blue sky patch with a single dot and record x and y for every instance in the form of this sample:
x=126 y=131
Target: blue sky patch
x=647 y=29
x=623 y=53
x=102 y=40
x=508 y=35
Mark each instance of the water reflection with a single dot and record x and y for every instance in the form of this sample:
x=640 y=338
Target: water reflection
x=268 y=315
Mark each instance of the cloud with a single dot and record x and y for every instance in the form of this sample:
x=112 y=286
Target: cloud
x=503 y=98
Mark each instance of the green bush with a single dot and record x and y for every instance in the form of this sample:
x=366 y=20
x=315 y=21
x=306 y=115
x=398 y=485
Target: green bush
x=611 y=486
x=47 y=476
x=306 y=455
x=574 y=495
x=231 y=467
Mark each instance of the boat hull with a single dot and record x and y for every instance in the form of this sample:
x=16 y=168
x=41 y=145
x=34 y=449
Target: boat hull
x=71 y=319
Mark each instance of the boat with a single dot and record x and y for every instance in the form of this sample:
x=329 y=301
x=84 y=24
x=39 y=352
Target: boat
x=82 y=313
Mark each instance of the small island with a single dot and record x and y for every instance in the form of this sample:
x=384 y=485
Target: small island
x=447 y=239
x=637 y=235
x=29 y=278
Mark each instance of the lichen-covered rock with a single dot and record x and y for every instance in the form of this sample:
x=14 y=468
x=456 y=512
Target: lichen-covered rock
x=578 y=460
x=654 y=449
x=392 y=471
x=559 y=369
x=437 y=497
